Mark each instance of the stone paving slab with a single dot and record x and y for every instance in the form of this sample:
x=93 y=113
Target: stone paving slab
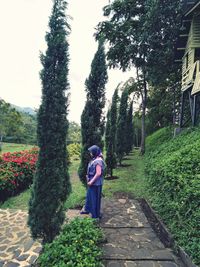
x=130 y=240
x=123 y=213
x=17 y=248
x=16 y=245
x=118 y=263
x=134 y=244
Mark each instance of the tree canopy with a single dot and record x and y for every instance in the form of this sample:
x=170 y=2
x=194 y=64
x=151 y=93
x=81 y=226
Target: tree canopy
x=142 y=34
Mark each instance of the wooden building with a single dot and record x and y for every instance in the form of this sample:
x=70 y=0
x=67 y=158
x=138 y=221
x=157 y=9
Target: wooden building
x=188 y=53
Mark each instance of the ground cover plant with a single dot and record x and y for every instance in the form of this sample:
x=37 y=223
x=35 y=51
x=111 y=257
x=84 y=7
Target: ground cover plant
x=173 y=175
x=77 y=245
x=16 y=172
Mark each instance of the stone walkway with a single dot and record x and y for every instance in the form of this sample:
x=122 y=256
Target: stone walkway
x=130 y=240
x=16 y=245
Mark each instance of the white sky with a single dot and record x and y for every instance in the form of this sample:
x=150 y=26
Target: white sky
x=23 y=24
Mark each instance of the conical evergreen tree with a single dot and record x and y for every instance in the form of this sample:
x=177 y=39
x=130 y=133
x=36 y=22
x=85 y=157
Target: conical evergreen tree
x=51 y=183
x=92 y=121
x=121 y=127
x=129 y=129
x=110 y=136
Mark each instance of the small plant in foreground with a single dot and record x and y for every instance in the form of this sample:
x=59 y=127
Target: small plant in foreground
x=77 y=245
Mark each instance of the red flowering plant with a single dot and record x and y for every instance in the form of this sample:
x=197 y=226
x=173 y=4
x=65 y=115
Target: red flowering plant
x=16 y=172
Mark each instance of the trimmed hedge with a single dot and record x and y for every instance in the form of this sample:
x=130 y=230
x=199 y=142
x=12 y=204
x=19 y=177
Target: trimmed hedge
x=173 y=174
x=16 y=172
x=77 y=245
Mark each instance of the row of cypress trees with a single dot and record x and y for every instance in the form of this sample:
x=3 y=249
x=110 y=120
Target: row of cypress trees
x=119 y=130
x=119 y=126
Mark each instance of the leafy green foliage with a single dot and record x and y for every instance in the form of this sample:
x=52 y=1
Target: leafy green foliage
x=29 y=135
x=162 y=23
x=158 y=138
x=163 y=107
x=77 y=245
x=51 y=185
x=143 y=34
x=173 y=169
x=123 y=32
x=74 y=133
x=11 y=124
x=74 y=151
x=92 y=120
x=16 y=126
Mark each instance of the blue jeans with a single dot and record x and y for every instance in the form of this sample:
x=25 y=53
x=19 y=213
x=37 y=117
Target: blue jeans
x=93 y=200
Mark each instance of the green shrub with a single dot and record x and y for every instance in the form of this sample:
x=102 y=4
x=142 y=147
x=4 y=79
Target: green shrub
x=16 y=172
x=173 y=173
x=77 y=245
x=74 y=151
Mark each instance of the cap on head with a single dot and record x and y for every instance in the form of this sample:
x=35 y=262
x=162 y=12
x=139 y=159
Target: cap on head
x=94 y=150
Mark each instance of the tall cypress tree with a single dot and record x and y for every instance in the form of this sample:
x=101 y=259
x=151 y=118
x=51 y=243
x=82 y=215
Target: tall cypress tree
x=51 y=183
x=110 y=136
x=121 y=126
x=92 y=121
x=129 y=129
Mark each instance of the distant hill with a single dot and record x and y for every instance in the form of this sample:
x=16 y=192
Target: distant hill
x=25 y=109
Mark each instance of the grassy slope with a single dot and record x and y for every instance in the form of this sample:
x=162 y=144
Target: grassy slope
x=172 y=172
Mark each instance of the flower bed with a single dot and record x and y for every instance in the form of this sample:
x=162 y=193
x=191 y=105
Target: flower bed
x=16 y=172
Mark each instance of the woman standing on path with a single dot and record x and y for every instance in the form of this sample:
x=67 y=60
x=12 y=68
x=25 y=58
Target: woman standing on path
x=94 y=181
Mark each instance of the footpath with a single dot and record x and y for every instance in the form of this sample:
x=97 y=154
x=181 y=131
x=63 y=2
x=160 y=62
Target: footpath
x=130 y=240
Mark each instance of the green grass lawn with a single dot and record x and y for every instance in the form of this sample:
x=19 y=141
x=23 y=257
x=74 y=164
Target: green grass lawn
x=75 y=199
x=130 y=179
x=11 y=147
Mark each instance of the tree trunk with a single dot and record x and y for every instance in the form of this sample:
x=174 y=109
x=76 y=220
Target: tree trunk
x=143 y=130
x=1 y=142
